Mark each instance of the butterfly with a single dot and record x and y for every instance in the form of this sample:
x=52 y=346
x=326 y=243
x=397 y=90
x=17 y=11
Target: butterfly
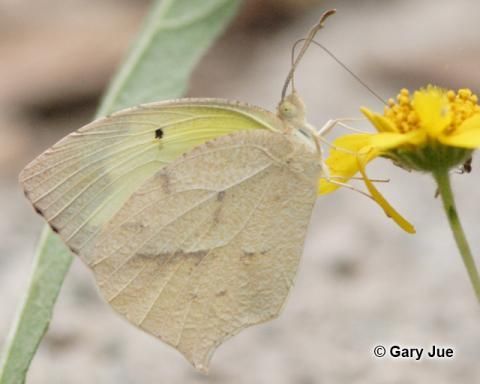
x=191 y=213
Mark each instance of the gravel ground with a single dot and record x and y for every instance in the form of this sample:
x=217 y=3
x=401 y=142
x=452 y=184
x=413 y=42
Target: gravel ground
x=362 y=281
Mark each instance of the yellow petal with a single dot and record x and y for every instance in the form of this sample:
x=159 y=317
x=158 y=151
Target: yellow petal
x=342 y=161
x=387 y=140
x=381 y=123
x=325 y=187
x=388 y=209
x=433 y=110
x=467 y=135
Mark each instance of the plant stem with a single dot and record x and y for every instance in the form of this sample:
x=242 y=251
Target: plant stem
x=444 y=188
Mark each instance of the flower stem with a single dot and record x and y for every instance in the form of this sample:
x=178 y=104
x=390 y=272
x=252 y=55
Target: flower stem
x=444 y=188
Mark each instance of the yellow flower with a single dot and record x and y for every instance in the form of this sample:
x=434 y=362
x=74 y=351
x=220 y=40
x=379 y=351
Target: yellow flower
x=434 y=130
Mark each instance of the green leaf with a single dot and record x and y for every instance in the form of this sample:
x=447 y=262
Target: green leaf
x=174 y=37
x=32 y=322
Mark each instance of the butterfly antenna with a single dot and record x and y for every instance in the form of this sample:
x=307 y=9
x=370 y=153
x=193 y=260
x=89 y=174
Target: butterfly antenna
x=296 y=60
x=344 y=66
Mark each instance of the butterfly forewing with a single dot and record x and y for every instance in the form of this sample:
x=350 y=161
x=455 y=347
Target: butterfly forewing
x=84 y=179
x=210 y=244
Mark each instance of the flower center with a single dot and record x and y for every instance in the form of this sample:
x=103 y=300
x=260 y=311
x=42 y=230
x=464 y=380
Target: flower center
x=462 y=104
x=401 y=112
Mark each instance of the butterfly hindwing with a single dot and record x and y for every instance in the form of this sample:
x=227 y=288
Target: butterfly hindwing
x=210 y=244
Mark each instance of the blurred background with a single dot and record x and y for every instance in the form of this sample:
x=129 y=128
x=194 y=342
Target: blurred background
x=361 y=282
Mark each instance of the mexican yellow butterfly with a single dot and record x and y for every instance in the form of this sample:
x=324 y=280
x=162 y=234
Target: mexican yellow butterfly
x=191 y=213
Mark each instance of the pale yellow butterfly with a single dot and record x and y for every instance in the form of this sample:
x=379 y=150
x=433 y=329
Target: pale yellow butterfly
x=191 y=213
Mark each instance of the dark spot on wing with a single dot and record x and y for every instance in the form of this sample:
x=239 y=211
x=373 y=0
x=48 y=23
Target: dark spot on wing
x=223 y=292
x=74 y=250
x=165 y=182
x=248 y=258
x=54 y=228
x=158 y=133
x=220 y=195
x=133 y=227
x=161 y=257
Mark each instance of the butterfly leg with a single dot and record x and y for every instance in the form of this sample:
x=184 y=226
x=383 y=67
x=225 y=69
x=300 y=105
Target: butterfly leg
x=330 y=124
x=327 y=127
x=348 y=186
x=318 y=136
x=317 y=139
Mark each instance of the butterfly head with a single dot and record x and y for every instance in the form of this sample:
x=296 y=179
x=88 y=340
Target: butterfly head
x=292 y=110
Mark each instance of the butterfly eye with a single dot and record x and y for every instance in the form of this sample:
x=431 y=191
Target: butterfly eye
x=287 y=110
